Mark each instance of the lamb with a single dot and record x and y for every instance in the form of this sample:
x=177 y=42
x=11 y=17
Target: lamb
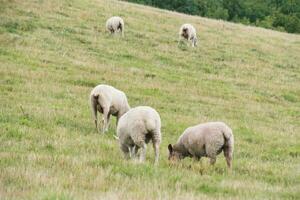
x=204 y=140
x=188 y=32
x=136 y=128
x=109 y=101
x=115 y=24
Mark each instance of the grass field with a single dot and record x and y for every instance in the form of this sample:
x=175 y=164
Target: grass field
x=52 y=53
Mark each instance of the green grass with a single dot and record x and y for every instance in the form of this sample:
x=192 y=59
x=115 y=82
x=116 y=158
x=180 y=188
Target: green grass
x=52 y=53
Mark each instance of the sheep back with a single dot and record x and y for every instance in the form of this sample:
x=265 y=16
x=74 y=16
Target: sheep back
x=110 y=97
x=139 y=125
x=206 y=139
x=115 y=23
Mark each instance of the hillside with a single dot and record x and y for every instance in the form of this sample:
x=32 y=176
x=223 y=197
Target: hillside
x=281 y=15
x=52 y=53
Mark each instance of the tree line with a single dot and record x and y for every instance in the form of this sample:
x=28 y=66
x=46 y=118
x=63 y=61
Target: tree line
x=282 y=15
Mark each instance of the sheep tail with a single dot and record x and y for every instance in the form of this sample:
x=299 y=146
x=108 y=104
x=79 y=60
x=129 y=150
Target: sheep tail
x=229 y=140
x=95 y=96
x=94 y=103
x=228 y=146
x=121 y=27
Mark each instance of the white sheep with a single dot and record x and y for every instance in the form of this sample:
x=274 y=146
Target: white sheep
x=136 y=128
x=109 y=101
x=115 y=24
x=204 y=140
x=188 y=32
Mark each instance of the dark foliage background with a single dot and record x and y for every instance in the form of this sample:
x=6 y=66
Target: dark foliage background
x=282 y=15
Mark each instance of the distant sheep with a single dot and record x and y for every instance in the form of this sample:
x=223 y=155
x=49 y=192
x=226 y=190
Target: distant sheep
x=109 y=101
x=115 y=24
x=188 y=32
x=136 y=128
x=204 y=140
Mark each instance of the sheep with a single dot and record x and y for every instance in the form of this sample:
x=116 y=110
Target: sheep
x=188 y=32
x=204 y=140
x=136 y=128
x=115 y=24
x=109 y=101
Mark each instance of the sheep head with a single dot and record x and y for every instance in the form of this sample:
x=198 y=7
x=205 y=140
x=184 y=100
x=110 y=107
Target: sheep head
x=173 y=154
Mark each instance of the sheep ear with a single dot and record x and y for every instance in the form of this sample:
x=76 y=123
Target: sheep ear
x=96 y=96
x=170 y=148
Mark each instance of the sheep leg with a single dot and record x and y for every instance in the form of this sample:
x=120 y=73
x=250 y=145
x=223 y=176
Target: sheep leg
x=96 y=124
x=108 y=122
x=143 y=152
x=228 y=156
x=195 y=42
x=94 y=110
x=156 y=151
x=95 y=119
x=112 y=31
x=130 y=152
x=211 y=153
x=105 y=119
x=134 y=151
x=125 y=150
x=117 y=121
x=192 y=42
x=213 y=160
x=196 y=158
x=122 y=32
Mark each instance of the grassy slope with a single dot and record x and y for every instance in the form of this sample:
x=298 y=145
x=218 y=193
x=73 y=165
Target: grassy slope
x=52 y=53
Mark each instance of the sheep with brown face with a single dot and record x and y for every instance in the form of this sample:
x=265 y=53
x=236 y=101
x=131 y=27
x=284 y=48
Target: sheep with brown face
x=109 y=101
x=204 y=140
x=136 y=128
x=188 y=32
x=115 y=24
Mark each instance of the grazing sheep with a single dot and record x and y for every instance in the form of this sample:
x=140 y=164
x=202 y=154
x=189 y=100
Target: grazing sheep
x=204 y=140
x=188 y=32
x=115 y=24
x=109 y=101
x=136 y=128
